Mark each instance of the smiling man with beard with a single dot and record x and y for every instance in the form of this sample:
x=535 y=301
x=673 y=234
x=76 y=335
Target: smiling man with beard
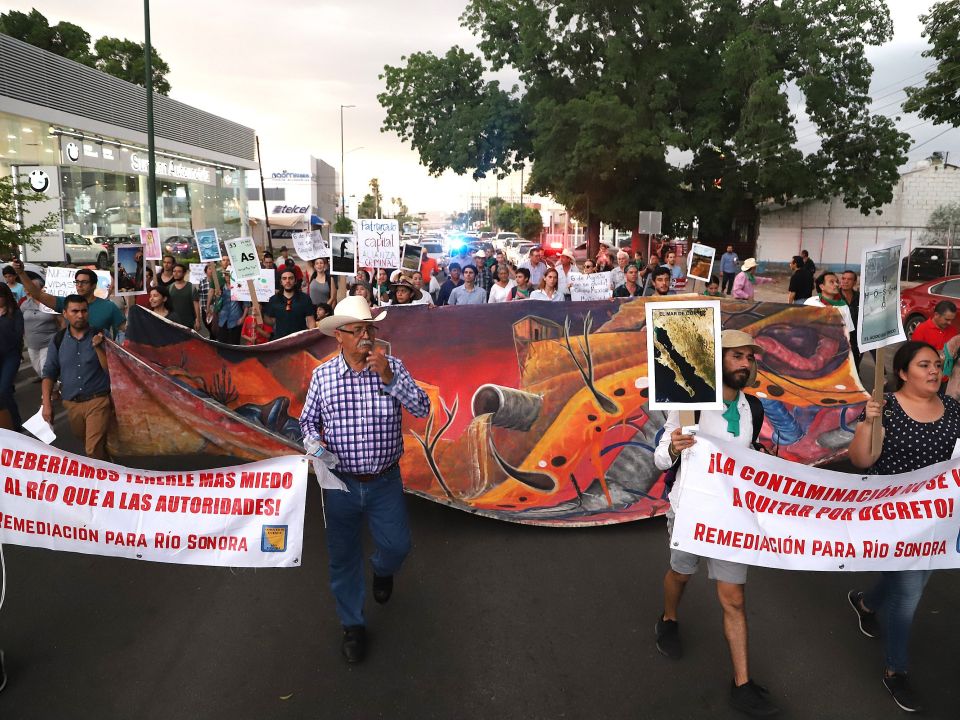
x=353 y=410
x=738 y=423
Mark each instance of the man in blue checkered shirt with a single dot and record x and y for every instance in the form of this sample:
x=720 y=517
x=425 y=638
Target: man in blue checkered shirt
x=353 y=409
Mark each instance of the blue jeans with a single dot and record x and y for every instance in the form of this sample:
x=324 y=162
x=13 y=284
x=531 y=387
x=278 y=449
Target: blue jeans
x=896 y=596
x=381 y=500
x=9 y=367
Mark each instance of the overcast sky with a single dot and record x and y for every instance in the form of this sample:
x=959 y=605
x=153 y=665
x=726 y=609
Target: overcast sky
x=285 y=67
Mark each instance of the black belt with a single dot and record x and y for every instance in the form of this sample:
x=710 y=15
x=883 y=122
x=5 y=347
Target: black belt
x=365 y=477
x=91 y=396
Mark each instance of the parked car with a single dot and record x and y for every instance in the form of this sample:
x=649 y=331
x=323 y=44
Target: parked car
x=929 y=262
x=917 y=303
x=501 y=239
x=520 y=253
x=434 y=250
x=179 y=245
x=80 y=250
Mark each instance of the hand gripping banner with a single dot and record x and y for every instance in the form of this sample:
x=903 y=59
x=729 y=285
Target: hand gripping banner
x=737 y=504
x=243 y=516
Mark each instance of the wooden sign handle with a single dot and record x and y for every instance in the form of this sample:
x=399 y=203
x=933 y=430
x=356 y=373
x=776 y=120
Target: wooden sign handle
x=879 y=383
x=255 y=302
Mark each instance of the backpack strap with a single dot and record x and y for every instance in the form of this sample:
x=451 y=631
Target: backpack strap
x=756 y=413
x=58 y=338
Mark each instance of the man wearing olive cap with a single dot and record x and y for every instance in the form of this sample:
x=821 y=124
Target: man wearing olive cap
x=739 y=423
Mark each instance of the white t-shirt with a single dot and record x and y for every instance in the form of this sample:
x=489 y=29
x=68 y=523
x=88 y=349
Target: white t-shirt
x=500 y=294
x=815 y=301
x=542 y=295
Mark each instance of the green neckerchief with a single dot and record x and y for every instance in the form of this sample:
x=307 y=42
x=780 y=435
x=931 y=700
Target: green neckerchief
x=836 y=303
x=732 y=416
x=710 y=294
x=948 y=361
x=751 y=278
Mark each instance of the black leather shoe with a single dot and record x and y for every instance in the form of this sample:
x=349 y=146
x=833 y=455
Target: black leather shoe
x=382 y=588
x=354 y=645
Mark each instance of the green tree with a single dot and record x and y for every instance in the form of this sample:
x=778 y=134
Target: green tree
x=609 y=91
x=121 y=58
x=126 y=60
x=493 y=207
x=343 y=225
x=520 y=219
x=939 y=98
x=943 y=225
x=372 y=204
x=12 y=235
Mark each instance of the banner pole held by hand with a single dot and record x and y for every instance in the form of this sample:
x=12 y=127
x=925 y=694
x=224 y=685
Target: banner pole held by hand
x=879 y=383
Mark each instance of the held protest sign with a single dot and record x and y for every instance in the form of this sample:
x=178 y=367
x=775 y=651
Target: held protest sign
x=243 y=516
x=58 y=281
x=878 y=323
x=595 y=286
x=243 y=258
x=378 y=243
x=734 y=503
x=265 y=285
x=310 y=245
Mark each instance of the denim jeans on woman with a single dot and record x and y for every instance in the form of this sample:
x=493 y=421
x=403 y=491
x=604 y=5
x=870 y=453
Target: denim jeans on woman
x=895 y=598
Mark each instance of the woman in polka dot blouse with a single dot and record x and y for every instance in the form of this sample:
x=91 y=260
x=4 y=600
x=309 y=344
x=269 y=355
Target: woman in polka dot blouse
x=919 y=429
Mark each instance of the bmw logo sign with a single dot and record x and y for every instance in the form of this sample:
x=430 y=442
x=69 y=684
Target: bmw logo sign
x=39 y=181
x=73 y=152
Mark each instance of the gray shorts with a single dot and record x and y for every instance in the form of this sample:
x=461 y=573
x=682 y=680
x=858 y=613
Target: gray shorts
x=687 y=563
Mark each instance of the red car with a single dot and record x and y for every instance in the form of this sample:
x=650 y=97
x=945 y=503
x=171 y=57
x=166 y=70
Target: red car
x=917 y=303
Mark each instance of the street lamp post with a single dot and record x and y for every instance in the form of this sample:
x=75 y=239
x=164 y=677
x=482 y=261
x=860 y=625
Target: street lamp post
x=343 y=197
x=151 y=148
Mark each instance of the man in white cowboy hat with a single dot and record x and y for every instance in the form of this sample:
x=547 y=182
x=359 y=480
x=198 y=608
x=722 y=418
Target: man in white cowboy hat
x=747 y=279
x=739 y=423
x=353 y=409
x=566 y=269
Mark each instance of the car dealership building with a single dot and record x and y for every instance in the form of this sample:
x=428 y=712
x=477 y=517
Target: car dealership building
x=79 y=136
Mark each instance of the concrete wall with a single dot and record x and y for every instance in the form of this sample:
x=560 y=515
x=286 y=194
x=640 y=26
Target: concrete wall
x=835 y=235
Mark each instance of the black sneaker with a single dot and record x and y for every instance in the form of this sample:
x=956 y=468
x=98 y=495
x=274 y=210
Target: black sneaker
x=382 y=588
x=354 y=643
x=752 y=699
x=668 y=638
x=903 y=695
x=867 y=619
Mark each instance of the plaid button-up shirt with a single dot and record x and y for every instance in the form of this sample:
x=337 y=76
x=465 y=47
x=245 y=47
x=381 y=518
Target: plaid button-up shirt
x=357 y=416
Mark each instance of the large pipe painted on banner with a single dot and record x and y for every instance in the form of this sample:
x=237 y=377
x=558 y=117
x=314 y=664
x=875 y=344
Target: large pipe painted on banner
x=510 y=408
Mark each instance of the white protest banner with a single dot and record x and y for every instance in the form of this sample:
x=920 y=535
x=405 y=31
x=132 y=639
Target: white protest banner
x=738 y=504
x=58 y=281
x=243 y=516
x=197 y=273
x=595 y=286
x=878 y=323
x=378 y=243
x=265 y=284
x=311 y=245
x=243 y=257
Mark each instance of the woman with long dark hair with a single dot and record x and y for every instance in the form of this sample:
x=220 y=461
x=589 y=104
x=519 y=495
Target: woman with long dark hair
x=11 y=352
x=322 y=286
x=919 y=429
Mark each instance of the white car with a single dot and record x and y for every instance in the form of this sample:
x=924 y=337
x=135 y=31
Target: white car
x=505 y=239
x=434 y=250
x=84 y=251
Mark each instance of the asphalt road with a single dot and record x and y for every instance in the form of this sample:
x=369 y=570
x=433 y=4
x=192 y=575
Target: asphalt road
x=488 y=620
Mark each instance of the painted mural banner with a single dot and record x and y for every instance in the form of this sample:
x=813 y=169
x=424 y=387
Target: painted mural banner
x=540 y=418
x=242 y=516
x=735 y=503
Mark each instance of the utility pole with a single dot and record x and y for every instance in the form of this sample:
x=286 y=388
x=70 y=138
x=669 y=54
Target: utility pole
x=343 y=197
x=263 y=198
x=151 y=147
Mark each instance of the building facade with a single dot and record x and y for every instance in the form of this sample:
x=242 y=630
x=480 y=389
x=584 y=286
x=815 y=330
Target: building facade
x=79 y=136
x=835 y=235
x=301 y=199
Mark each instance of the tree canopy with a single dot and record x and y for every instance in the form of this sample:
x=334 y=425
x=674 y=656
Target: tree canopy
x=124 y=59
x=939 y=98
x=684 y=106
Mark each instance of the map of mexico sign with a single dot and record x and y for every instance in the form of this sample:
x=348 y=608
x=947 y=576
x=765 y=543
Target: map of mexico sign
x=378 y=243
